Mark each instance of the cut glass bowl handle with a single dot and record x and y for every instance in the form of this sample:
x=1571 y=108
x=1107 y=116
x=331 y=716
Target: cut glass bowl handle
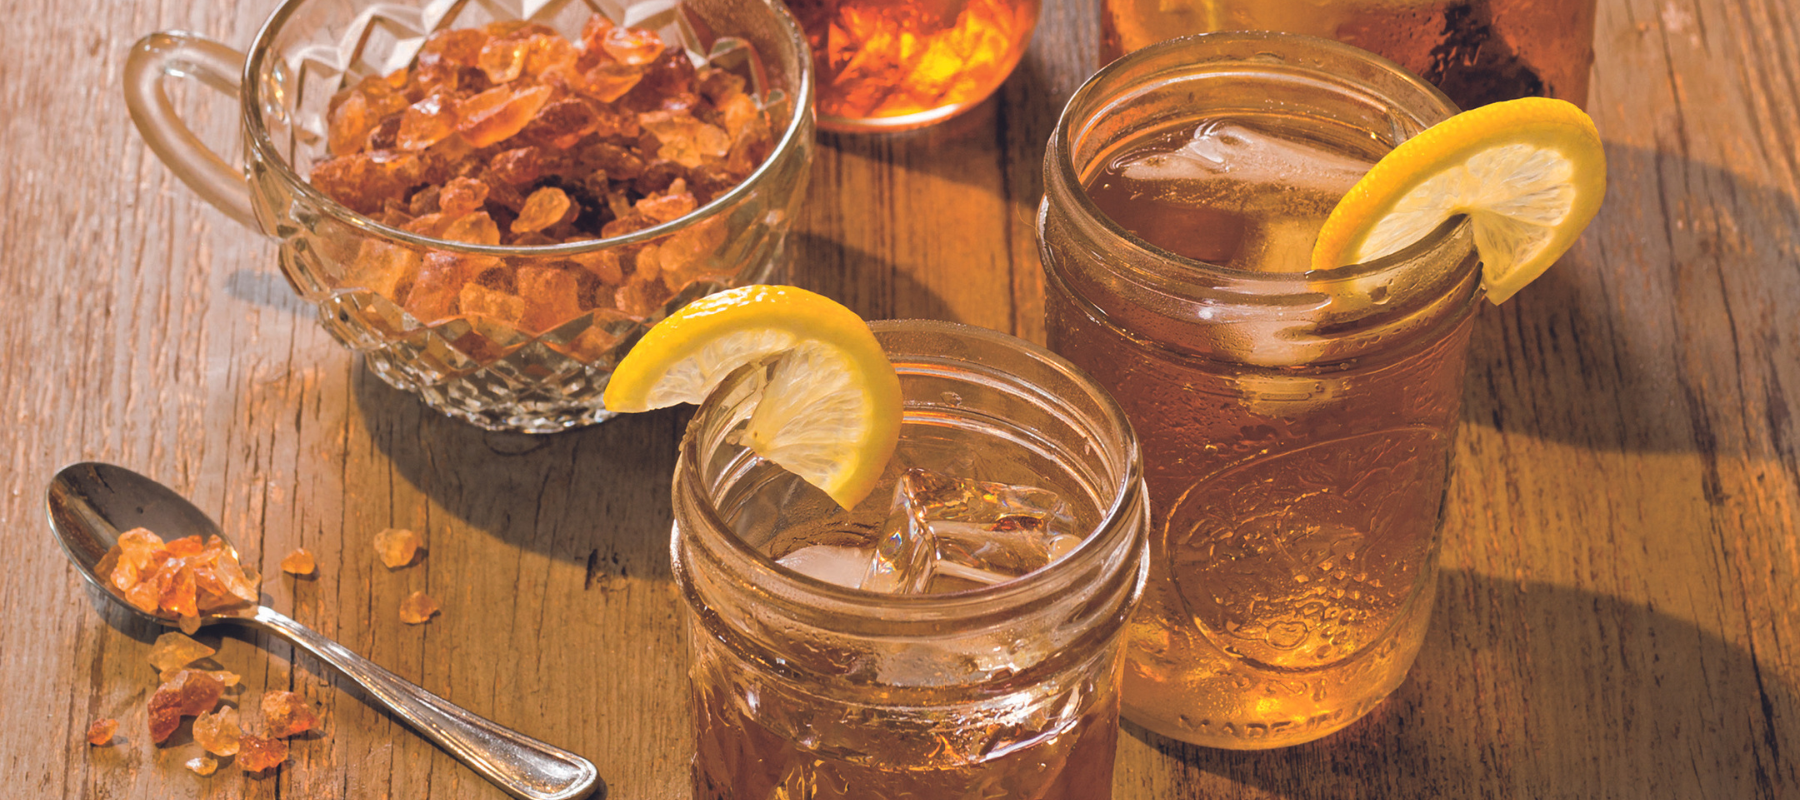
x=174 y=54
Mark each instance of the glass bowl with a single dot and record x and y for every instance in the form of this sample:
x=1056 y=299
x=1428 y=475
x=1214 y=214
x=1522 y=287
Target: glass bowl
x=535 y=353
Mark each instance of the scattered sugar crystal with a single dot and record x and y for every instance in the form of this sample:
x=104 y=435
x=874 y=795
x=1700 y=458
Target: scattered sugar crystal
x=363 y=180
x=175 y=650
x=462 y=196
x=475 y=228
x=673 y=204
x=225 y=677
x=551 y=296
x=189 y=694
x=218 y=731
x=203 y=764
x=397 y=547
x=426 y=123
x=286 y=714
x=299 y=562
x=564 y=122
x=435 y=289
x=417 y=608
x=477 y=300
x=632 y=46
x=101 y=732
x=256 y=753
x=545 y=207
x=179 y=597
x=503 y=59
x=498 y=113
x=518 y=165
x=459 y=46
x=143 y=597
x=609 y=81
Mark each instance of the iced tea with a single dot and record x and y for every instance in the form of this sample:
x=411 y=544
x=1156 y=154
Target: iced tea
x=1296 y=425
x=832 y=657
x=898 y=64
x=1476 y=51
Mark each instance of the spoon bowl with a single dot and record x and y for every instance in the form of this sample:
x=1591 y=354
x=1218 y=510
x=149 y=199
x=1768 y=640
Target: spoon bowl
x=91 y=503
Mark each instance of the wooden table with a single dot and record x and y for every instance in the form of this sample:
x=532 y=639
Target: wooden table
x=1619 y=614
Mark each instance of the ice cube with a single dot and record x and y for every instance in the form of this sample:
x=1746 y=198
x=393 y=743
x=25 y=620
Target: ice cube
x=905 y=553
x=1226 y=158
x=1278 y=191
x=836 y=564
x=988 y=532
x=942 y=533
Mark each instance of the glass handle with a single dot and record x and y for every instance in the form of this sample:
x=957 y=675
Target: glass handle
x=173 y=54
x=520 y=765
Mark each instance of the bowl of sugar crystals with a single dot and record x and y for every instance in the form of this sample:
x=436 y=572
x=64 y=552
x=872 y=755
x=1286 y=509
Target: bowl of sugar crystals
x=492 y=201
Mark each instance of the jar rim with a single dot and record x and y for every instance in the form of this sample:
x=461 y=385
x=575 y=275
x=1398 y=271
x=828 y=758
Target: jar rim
x=1060 y=156
x=794 y=137
x=1110 y=532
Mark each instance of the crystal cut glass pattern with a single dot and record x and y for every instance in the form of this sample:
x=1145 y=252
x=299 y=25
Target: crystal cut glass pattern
x=494 y=374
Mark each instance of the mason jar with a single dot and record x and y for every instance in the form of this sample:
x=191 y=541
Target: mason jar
x=1297 y=425
x=803 y=688
x=1476 y=51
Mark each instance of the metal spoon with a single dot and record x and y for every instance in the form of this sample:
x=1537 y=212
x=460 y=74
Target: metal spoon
x=91 y=503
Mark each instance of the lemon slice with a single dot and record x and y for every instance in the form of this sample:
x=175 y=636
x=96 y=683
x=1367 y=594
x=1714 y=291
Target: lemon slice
x=830 y=412
x=1529 y=174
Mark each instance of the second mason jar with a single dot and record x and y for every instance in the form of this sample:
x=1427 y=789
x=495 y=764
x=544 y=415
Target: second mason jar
x=1296 y=425
x=804 y=688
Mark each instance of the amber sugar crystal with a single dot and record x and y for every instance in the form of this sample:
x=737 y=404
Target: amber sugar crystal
x=299 y=562
x=218 y=732
x=397 y=547
x=203 y=764
x=102 y=731
x=191 y=693
x=173 y=651
x=256 y=753
x=226 y=677
x=417 y=608
x=178 y=580
x=286 y=714
x=511 y=135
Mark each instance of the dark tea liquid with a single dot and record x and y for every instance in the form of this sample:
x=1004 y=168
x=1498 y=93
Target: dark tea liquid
x=1295 y=499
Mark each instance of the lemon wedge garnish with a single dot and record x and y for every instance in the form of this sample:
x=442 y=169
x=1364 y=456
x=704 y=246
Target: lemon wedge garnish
x=830 y=412
x=1529 y=174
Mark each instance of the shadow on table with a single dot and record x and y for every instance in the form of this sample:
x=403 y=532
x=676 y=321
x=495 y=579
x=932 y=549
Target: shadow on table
x=1632 y=341
x=598 y=495
x=868 y=284
x=1562 y=693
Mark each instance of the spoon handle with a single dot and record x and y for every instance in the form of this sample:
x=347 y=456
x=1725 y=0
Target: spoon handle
x=522 y=766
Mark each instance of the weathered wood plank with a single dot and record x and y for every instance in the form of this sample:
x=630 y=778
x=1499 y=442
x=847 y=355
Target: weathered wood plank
x=1618 y=616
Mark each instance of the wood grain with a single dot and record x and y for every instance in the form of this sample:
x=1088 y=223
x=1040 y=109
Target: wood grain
x=1619 y=614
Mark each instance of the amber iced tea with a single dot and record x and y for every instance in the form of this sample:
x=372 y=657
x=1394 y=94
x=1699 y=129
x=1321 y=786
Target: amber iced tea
x=897 y=64
x=1296 y=426
x=996 y=673
x=1476 y=51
